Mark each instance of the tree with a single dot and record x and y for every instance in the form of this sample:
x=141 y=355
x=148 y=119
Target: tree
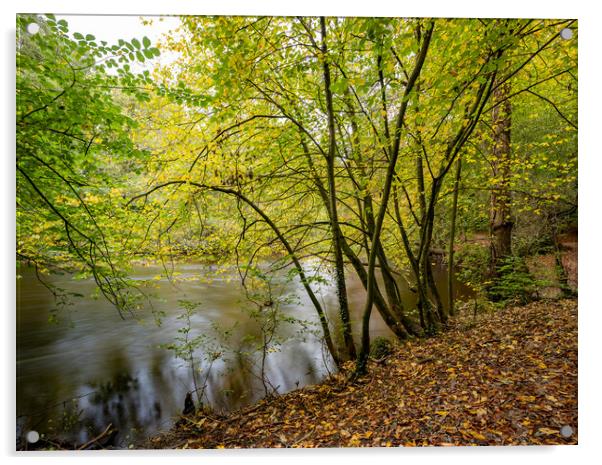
x=73 y=148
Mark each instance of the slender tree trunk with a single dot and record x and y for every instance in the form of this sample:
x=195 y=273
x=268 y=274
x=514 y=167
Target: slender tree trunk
x=391 y=289
x=434 y=291
x=426 y=281
x=336 y=229
x=501 y=214
x=398 y=328
x=452 y=236
x=422 y=270
x=424 y=284
x=413 y=260
x=362 y=359
x=392 y=311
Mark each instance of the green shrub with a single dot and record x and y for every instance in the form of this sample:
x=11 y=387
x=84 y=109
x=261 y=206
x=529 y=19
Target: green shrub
x=381 y=347
x=532 y=244
x=513 y=283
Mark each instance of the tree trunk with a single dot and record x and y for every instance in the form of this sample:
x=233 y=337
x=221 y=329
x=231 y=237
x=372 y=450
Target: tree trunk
x=391 y=289
x=501 y=214
x=362 y=358
x=335 y=227
x=452 y=234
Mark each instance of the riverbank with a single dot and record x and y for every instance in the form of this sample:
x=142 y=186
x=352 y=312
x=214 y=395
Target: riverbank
x=508 y=377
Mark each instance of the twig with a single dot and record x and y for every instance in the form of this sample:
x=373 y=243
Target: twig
x=242 y=414
x=93 y=440
x=489 y=341
x=304 y=437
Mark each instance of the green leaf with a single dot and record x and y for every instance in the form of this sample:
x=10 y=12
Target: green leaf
x=136 y=43
x=339 y=86
x=146 y=41
x=90 y=37
x=78 y=36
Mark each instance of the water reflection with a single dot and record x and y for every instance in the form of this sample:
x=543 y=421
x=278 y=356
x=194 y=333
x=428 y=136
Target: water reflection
x=92 y=368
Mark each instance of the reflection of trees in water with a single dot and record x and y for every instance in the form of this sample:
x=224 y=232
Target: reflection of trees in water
x=133 y=403
x=306 y=372
x=234 y=386
x=139 y=402
x=134 y=406
x=163 y=376
x=118 y=399
x=239 y=382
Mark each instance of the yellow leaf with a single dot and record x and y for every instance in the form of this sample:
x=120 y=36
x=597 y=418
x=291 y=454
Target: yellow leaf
x=547 y=431
x=443 y=413
x=477 y=435
x=354 y=441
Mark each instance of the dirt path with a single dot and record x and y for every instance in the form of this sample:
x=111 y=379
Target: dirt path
x=508 y=378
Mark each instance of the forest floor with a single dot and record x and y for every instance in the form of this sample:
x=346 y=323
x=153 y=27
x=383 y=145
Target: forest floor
x=507 y=377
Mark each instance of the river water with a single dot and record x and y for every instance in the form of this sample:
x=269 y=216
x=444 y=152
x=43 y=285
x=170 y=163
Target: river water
x=92 y=367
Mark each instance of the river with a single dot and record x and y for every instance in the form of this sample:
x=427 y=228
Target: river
x=92 y=367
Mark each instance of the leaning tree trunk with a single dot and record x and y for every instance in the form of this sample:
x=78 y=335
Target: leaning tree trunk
x=452 y=237
x=390 y=285
x=426 y=281
x=336 y=229
x=500 y=220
